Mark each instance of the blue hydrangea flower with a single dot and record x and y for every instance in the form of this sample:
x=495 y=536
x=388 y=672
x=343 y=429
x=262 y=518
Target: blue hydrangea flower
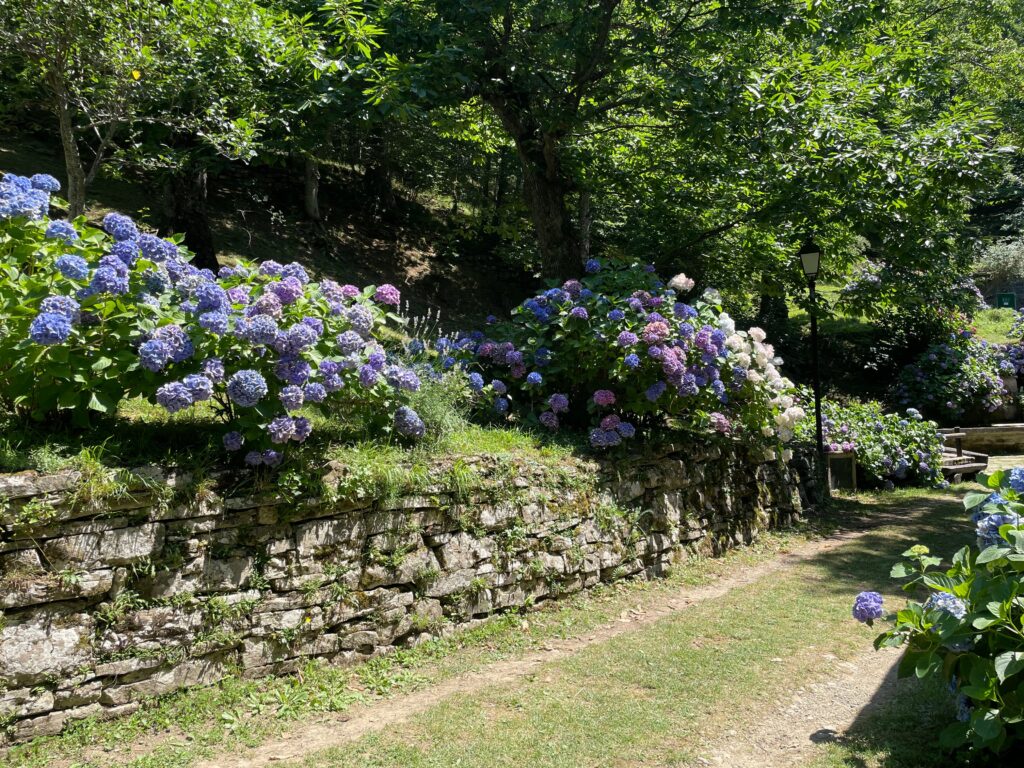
x=867 y=607
x=408 y=423
x=177 y=341
x=213 y=369
x=616 y=315
x=72 y=267
x=501 y=405
x=476 y=382
x=943 y=601
x=360 y=319
x=154 y=355
x=210 y=297
x=125 y=251
x=295 y=271
x=261 y=329
x=350 y=342
x=534 y=379
x=233 y=441
x=1015 y=479
x=592 y=266
x=632 y=361
x=499 y=386
x=174 y=396
x=287 y=290
x=271 y=268
x=199 y=386
x=44 y=182
x=120 y=227
x=626 y=429
x=50 y=328
x=988 y=527
x=61 y=230
x=107 y=279
x=254 y=458
x=214 y=322
x=302 y=428
x=272 y=458
x=656 y=390
x=62 y=305
x=246 y=388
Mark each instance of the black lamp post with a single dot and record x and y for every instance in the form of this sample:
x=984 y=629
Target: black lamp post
x=810 y=261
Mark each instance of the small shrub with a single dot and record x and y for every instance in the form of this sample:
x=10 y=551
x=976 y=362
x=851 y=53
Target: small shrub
x=890 y=448
x=967 y=629
x=617 y=350
x=958 y=380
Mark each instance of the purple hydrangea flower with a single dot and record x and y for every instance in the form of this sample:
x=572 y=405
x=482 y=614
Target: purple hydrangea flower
x=61 y=230
x=314 y=392
x=271 y=268
x=199 y=386
x=499 y=386
x=549 y=419
x=558 y=402
x=281 y=429
x=178 y=343
x=867 y=607
x=387 y=294
x=72 y=267
x=291 y=397
x=272 y=458
x=360 y=319
x=720 y=422
x=604 y=397
x=233 y=441
x=408 y=423
x=261 y=329
x=238 y=295
x=174 y=396
x=295 y=271
x=349 y=342
x=303 y=429
x=627 y=339
x=50 y=328
x=368 y=376
x=266 y=304
x=246 y=388
x=287 y=290
x=254 y=458
x=580 y=313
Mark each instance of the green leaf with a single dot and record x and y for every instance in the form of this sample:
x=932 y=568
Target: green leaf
x=100 y=401
x=899 y=571
x=993 y=553
x=1009 y=663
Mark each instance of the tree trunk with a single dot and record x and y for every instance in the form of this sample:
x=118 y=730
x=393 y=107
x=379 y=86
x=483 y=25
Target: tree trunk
x=545 y=188
x=311 y=194
x=72 y=158
x=377 y=174
x=586 y=224
x=187 y=213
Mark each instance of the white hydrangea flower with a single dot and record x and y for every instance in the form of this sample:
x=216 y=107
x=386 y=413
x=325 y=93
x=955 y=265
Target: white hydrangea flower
x=757 y=334
x=726 y=323
x=681 y=283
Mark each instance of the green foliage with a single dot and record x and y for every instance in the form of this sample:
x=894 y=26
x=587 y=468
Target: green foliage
x=968 y=630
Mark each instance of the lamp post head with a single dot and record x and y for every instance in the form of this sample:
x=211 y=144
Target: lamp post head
x=810 y=259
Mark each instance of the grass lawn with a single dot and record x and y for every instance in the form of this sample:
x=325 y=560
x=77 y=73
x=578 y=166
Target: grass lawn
x=654 y=697
x=993 y=325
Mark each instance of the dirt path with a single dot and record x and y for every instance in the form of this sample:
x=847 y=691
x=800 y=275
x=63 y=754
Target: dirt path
x=818 y=713
x=335 y=730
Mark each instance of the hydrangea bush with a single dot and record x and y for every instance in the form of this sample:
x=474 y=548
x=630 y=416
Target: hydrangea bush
x=93 y=316
x=618 y=350
x=891 y=448
x=956 y=381
x=968 y=623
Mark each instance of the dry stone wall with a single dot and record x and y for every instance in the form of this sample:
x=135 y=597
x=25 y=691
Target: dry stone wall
x=161 y=580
